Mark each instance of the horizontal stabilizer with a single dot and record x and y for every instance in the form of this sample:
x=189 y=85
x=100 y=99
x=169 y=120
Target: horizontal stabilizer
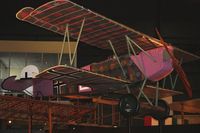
x=12 y=84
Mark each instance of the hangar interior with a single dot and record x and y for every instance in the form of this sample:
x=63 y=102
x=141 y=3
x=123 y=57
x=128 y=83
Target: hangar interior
x=23 y=44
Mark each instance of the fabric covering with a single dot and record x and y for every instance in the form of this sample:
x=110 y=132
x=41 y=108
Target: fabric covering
x=42 y=87
x=97 y=29
x=154 y=70
x=13 y=84
x=111 y=67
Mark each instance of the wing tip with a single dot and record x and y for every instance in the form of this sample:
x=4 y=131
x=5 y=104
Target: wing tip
x=24 y=13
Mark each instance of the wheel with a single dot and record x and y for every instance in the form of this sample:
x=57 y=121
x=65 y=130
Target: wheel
x=162 y=115
x=128 y=105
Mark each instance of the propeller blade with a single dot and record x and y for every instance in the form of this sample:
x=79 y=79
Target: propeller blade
x=177 y=67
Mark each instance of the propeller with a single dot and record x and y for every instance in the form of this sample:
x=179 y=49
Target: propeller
x=177 y=67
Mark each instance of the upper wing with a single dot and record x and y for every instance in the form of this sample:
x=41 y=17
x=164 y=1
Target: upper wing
x=97 y=29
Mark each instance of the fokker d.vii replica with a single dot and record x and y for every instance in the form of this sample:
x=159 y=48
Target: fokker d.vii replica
x=143 y=60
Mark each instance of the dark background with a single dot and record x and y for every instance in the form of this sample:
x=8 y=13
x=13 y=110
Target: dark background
x=177 y=20
x=140 y=129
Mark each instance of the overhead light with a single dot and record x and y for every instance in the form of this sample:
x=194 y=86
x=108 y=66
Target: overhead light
x=9 y=121
x=115 y=126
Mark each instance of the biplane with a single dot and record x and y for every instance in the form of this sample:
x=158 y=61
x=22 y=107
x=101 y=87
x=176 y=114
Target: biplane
x=138 y=60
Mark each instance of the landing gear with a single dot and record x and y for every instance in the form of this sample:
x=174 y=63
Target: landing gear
x=128 y=107
x=163 y=114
